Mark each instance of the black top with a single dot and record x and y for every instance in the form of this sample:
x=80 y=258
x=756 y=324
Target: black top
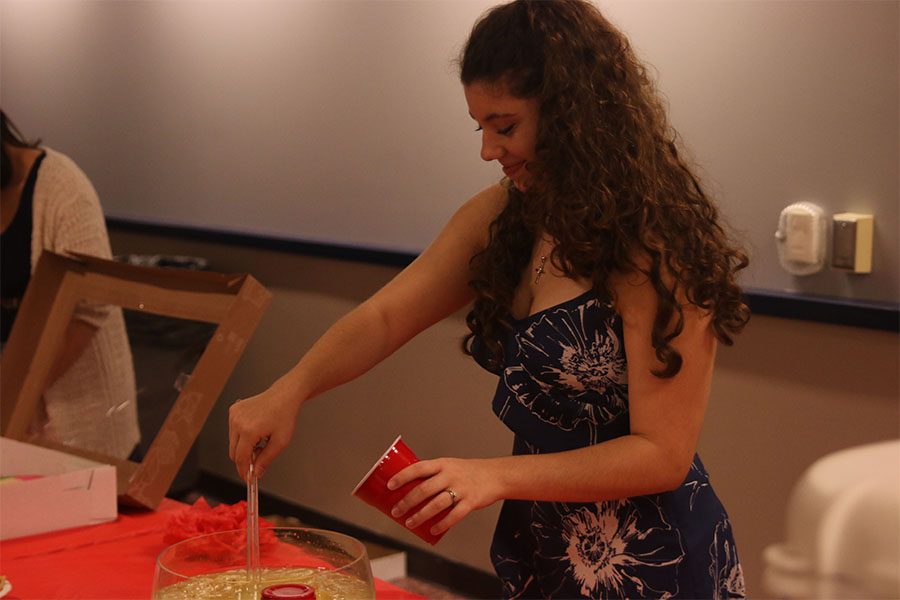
x=15 y=254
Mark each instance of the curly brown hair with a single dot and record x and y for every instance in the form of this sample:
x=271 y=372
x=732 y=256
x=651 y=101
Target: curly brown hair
x=608 y=183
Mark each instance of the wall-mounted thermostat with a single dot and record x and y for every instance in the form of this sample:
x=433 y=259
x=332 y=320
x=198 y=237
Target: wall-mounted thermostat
x=852 y=247
x=800 y=238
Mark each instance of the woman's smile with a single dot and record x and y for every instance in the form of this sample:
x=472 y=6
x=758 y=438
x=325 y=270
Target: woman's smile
x=513 y=169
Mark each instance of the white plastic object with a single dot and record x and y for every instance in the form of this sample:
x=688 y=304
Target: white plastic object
x=843 y=529
x=800 y=238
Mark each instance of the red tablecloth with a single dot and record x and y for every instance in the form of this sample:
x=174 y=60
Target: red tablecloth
x=112 y=561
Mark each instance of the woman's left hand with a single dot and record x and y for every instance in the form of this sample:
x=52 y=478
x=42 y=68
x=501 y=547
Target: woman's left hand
x=474 y=484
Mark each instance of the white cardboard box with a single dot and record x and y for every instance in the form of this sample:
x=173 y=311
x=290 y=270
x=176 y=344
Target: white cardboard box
x=72 y=492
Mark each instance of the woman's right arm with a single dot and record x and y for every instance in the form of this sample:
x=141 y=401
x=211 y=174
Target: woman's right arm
x=432 y=287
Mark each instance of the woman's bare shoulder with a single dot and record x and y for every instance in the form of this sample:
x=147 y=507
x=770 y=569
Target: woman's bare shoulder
x=636 y=295
x=488 y=203
x=474 y=217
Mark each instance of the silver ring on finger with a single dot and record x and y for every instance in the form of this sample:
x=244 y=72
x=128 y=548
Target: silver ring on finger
x=453 y=497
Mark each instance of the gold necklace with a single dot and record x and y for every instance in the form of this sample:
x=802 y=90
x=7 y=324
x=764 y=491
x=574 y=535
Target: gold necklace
x=540 y=269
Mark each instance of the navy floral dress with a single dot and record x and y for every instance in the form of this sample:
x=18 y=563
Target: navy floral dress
x=564 y=386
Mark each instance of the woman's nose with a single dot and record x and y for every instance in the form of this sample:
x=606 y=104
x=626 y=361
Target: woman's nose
x=490 y=150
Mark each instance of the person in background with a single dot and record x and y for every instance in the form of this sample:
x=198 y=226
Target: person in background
x=48 y=203
x=602 y=281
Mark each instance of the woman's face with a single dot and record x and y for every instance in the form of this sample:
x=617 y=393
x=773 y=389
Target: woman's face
x=508 y=127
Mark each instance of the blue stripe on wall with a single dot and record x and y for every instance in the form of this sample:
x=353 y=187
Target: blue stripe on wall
x=836 y=311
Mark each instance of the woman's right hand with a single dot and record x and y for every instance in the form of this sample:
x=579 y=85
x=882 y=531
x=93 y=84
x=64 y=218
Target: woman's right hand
x=270 y=416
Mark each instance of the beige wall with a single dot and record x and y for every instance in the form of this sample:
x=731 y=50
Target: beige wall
x=786 y=394
x=345 y=121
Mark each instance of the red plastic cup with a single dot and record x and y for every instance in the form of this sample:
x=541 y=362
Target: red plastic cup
x=289 y=591
x=372 y=489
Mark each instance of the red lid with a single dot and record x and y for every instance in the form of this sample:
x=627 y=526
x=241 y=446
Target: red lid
x=291 y=591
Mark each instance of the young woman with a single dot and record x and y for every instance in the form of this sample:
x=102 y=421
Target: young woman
x=48 y=203
x=601 y=282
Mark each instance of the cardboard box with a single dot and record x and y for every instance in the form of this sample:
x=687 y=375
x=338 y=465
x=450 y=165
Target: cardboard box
x=234 y=302
x=70 y=492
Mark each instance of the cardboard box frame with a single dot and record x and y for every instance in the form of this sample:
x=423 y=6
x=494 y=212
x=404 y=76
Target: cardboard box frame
x=234 y=302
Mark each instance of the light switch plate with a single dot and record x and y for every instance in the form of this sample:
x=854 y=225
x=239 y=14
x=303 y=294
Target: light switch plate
x=852 y=242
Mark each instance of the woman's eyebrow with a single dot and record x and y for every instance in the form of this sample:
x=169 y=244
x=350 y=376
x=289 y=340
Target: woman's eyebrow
x=493 y=116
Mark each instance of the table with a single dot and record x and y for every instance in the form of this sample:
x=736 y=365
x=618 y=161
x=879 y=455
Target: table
x=113 y=561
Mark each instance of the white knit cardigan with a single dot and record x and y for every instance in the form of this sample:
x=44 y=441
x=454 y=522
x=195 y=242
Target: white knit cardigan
x=93 y=405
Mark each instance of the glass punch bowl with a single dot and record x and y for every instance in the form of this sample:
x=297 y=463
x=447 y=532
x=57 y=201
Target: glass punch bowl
x=214 y=566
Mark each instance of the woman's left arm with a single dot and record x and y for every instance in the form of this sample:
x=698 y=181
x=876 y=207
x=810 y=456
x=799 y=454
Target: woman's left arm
x=78 y=225
x=666 y=416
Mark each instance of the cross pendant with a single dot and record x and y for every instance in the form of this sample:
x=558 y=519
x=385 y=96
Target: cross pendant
x=539 y=270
